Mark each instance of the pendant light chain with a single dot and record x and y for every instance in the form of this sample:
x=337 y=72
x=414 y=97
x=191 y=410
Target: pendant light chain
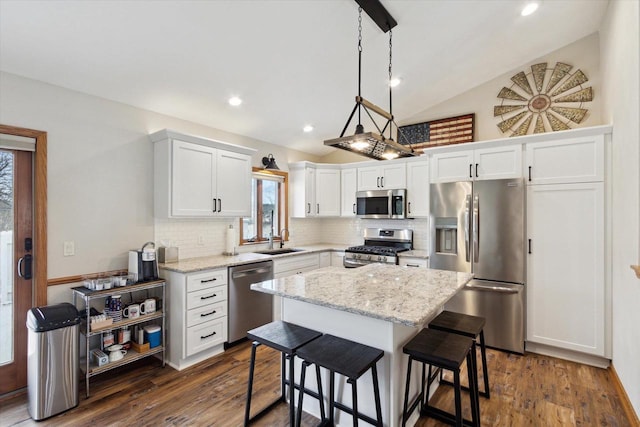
x=359 y=58
x=390 y=87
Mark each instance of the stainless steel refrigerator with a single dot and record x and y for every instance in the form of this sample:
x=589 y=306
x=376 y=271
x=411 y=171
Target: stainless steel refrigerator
x=478 y=227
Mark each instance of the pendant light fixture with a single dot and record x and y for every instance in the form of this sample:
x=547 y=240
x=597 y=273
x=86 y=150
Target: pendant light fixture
x=372 y=144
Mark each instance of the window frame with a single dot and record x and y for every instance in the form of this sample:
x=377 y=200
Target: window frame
x=284 y=208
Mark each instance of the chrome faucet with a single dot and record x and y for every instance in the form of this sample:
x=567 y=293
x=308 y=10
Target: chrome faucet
x=271 y=240
x=282 y=237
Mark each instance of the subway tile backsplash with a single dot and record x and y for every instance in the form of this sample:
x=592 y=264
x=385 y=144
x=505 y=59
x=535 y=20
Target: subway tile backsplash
x=205 y=237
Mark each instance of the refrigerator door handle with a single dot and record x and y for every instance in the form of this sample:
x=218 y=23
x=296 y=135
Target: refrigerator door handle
x=466 y=227
x=476 y=228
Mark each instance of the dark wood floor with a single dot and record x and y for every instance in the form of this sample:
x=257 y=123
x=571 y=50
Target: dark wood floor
x=525 y=390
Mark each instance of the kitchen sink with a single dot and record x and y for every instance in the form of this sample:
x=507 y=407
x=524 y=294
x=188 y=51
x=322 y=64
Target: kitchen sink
x=279 y=251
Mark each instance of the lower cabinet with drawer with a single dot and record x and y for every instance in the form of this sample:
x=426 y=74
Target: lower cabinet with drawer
x=197 y=316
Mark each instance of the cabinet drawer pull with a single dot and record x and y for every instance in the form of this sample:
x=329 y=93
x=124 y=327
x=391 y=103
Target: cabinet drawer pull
x=210 y=296
x=207 y=314
x=208 y=280
x=207 y=336
x=413 y=265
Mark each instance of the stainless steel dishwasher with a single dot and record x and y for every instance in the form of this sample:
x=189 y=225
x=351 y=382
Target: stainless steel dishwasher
x=248 y=309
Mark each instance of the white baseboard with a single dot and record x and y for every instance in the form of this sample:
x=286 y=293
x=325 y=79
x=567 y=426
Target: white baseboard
x=574 y=356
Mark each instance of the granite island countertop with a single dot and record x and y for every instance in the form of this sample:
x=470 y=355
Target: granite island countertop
x=410 y=296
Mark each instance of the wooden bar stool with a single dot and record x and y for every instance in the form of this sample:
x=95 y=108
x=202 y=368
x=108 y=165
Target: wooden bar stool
x=286 y=338
x=445 y=351
x=347 y=358
x=469 y=326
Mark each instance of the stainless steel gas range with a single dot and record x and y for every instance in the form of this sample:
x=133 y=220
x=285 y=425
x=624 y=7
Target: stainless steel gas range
x=381 y=245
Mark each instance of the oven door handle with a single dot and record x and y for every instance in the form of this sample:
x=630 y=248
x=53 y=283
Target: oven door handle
x=492 y=288
x=352 y=264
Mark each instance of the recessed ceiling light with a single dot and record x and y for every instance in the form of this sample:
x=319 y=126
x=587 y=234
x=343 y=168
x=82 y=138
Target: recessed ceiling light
x=529 y=8
x=307 y=128
x=235 y=101
x=395 y=81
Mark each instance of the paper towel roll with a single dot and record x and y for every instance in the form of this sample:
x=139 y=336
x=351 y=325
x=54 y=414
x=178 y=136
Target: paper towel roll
x=230 y=247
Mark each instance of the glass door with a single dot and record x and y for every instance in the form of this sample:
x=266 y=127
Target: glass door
x=16 y=221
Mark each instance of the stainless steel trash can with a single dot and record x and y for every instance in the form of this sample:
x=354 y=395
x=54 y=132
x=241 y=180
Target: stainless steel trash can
x=52 y=359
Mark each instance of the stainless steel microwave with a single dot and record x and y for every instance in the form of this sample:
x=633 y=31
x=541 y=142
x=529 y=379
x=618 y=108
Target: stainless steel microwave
x=381 y=204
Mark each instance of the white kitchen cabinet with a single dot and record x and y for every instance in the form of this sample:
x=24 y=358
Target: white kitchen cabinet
x=566 y=290
x=197 y=315
x=480 y=164
x=418 y=189
x=413 y=262
x=200 y=178
x=568 y=160
x=337 y=258
x=348 y=188
x=325 y=259
x=295 y=264
x=315 y=190
x=389 y=175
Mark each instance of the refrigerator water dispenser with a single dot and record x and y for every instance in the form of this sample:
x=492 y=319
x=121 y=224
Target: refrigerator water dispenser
x=446 y=235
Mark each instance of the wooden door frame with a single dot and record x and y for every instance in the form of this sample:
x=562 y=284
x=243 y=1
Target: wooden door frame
x=39 y=209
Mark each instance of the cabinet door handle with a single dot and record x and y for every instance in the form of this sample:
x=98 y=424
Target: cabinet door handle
x=208 y=280
x=470 y=170
x=529 y=245
x=219 y=205
x=476 y=170
x=308 y=207
x=207 y=314
x=318 y=208
x=409 y=207
x=210 y=296
x=529 y=173
x=378 y=182
x=382 y=181
x=207 y=336
x=215 y=205
x=354 y=208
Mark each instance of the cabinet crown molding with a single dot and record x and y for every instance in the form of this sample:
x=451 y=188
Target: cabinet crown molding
x=165 y=134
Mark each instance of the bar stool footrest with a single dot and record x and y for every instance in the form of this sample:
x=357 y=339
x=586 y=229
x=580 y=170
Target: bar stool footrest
x=443 y=416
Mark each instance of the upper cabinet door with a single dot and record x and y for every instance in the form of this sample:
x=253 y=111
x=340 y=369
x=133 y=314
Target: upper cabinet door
x=349 y=186
x=394 y=176
x=327 y=192
x=418 y=189
x=369 y=178
x=193 y=180
x=498 y=163
x=452 y=167
x=565 y=161
x=233 y=171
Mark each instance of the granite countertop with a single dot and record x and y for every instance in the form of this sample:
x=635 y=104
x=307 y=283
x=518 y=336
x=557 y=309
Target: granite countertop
x=410 y=296
x=191 y=265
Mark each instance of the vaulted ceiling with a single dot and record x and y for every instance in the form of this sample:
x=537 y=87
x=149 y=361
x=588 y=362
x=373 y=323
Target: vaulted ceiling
x=293 y=62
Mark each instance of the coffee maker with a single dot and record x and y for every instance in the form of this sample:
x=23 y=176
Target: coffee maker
x=142 y=264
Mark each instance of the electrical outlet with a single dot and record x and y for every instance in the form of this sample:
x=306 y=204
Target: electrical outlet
x=69 y=248
x=201 y=240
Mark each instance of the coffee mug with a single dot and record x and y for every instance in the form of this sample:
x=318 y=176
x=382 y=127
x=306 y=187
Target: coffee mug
x=116 y=355
x=148 y=306
x=132 y=311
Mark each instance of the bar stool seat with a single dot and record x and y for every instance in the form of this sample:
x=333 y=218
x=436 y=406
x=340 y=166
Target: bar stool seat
x=347 y=358
x=286 y=338
x=445 y=351
x=469 y=326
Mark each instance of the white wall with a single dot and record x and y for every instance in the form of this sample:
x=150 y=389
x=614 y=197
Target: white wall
x=582 y=54
x=100 y=169
x=620 y=49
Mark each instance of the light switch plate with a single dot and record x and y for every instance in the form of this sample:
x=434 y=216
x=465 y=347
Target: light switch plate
x=69 y=248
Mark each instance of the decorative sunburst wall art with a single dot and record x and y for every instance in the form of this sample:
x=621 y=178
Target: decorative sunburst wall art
x=543 y=100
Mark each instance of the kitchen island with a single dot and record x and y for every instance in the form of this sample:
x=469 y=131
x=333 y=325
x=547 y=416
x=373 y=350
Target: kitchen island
x=383 y=306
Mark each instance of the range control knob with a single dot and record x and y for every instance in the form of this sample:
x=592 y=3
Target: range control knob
x=369 y=257
x=382 y=259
